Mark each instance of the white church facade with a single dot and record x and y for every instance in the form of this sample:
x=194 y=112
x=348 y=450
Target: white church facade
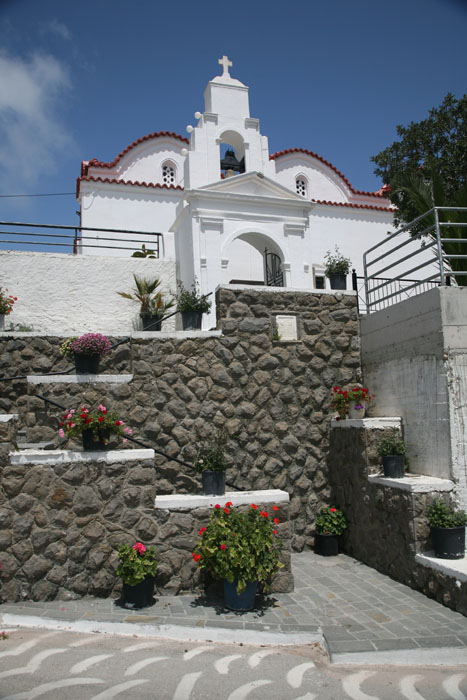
x=229 y=211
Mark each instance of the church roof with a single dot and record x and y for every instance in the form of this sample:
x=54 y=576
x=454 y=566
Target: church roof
x=115 y=181
x=287 y=151
x=94 y=163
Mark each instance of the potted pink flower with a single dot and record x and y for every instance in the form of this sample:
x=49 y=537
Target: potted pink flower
x=95 y=427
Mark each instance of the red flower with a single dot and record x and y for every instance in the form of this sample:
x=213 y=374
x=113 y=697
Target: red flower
x=88 y=420
x=264 y=514
x=203 y=529
x=226 y=510
x=117 y=422
x=139 y=547
x=277 y=521
x=275 y=507
x=62 y=424
x=101 y=419
x=196 y=557
x=274 y=532
x=228 y=504
x=253 y=506
x=333 y=510
x=82 y=415
x=217 y=505
x=222 y=546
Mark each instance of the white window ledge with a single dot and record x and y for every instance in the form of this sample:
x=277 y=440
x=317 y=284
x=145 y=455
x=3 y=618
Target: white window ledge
x=368 y=423
x=80 y=379
x=71 y=456
x=455 y=568
x=7 y=417
x=190 y=502
x=414 y=483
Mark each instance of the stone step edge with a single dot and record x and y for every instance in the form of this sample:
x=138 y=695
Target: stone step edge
x=453 y=568
x=51 y=457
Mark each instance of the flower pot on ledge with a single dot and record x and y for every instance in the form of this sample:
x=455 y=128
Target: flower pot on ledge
x=95 y=442
x=87 y=364
x=240 y=602
x=213 y=483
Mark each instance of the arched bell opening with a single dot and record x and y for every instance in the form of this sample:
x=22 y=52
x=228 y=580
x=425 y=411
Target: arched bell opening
x=232 y=154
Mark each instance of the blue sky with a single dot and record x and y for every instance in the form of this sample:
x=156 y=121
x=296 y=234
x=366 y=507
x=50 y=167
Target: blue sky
x=82 y=80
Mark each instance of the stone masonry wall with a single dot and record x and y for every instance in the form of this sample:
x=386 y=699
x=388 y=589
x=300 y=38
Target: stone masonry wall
x=387 y=526
x=60 y=525
x=271 y=396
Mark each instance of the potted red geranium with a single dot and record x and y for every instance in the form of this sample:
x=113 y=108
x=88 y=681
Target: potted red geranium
x=95 y=427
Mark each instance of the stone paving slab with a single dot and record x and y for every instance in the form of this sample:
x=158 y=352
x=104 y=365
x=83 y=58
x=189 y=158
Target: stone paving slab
x=357 y=609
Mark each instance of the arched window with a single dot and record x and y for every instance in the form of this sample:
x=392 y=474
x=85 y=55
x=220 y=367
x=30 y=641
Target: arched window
x=301 y=186
x=168 y=173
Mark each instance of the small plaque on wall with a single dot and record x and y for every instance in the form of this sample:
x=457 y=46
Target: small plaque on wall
x=286 y=325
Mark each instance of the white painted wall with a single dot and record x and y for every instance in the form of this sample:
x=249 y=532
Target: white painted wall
x=60 y=293
x=414 y=357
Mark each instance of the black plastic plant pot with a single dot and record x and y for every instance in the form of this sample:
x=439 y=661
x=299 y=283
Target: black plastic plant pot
x=191 y=320
x=338 y=281
x=94 y=442
x=87 y=364
x=448 y=542
x=243 y=601
x=151 y=322
x=213 y=483
x=326 y=545
x=141 y=595
x=394 y=466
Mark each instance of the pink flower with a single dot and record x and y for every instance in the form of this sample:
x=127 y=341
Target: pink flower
x=72 y=410
x=118 y=422
x=217 y=505
x=69 y=416
x=124 y=440
x=222 y=546
x=72 y=425
x=101 y=407
x=61 y=433
x=139 y=547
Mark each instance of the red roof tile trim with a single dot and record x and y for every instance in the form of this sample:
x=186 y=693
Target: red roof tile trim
x=113 y=181
x=353 y=205
x=330 y=165
x=94 y=163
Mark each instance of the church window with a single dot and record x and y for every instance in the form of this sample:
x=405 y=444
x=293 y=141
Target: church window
x=301 y=186
x=168 y=174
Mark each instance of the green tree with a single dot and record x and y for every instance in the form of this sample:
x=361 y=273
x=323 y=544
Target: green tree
x=437 y=144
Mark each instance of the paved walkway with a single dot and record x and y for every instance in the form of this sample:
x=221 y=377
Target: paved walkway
x=361 y=615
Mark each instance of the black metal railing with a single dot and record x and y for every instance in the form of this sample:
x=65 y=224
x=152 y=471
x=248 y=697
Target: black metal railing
x=112 y=347
x=74 y=239
x=170 y=458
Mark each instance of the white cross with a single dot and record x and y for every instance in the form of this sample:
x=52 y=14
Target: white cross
x=225 y=63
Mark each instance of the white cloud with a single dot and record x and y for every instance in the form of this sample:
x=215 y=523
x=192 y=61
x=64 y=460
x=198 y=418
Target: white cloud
x=32 y=133
x=58 y=28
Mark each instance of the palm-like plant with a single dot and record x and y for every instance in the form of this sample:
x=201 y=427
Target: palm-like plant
x=426 y=193
x=145 y=292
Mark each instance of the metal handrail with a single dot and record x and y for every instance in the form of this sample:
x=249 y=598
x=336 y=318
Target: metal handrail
x=375 y=285
x=170 y=458
x=112 y=347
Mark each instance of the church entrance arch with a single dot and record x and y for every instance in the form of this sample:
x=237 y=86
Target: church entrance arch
x=253 y=258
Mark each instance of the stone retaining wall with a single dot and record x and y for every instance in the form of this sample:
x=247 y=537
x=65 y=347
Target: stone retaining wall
x=388 y=526
x=60 y=524
x=272 y=396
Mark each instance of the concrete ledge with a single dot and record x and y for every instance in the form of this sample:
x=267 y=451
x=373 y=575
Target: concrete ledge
x=80 y=379
x=455 y=568
x=291 y=290
x=368 y=423
x=7 y=417
x=154 y=335
x=69 y=456
x=189 y=502
x=414 y=483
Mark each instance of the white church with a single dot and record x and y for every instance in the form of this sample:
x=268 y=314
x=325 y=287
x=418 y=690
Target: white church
x=229 y=211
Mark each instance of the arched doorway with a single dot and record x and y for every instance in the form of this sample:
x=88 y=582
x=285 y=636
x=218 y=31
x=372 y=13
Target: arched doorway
x=253 y=258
